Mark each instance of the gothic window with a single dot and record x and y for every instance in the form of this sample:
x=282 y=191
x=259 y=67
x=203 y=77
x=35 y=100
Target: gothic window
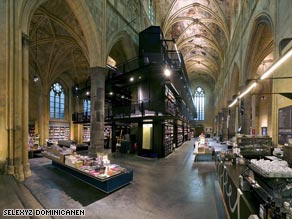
x=86 y=106
x=57 y=102
x=151 y=11
x=200 y=103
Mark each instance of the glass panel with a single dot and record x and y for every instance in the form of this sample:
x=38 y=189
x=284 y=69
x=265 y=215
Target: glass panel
x=200 y=103
x=57 y=101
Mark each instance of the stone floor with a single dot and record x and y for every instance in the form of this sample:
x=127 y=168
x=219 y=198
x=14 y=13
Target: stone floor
x=175 y=187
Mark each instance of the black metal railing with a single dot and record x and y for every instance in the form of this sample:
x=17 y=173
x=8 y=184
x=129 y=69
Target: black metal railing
x=81 y=117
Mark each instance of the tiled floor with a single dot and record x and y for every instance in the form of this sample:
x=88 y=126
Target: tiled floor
x=175 y=187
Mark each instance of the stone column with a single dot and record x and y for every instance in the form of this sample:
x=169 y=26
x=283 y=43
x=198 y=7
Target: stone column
x=97 y=110
x=253 y=112
x=19 y=103
x=247 y=116
x=216 y=125
x=9 y=62
x=224 y=124
x=44 y=113
x=25 y=107
x=220 y=118
x=41 y=119
x=241 y=114
x=232 y=121
x=236 y=120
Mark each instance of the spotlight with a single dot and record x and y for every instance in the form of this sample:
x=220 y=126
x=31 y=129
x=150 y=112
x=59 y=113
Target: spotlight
x=131 y=79
x=167 y=72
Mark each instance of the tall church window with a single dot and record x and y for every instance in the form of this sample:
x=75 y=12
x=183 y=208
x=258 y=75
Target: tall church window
x=86 y=106
x=57 y=102
x=200 y=103
x=151 y=11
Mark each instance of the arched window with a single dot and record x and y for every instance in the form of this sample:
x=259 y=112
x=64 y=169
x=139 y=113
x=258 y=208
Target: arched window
x=57 y=102
x=86 y=106
x=151 y=11
x=200 y=103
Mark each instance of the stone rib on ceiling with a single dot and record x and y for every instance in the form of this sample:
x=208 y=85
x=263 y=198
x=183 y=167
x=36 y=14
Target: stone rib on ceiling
x=200 y=28
x=59 y=45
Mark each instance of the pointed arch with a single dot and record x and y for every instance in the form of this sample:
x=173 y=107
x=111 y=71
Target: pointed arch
x=258 y=47
x=126 y=46
x=82 y=14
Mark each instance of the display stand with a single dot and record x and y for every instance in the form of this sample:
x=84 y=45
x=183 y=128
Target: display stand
x=202 y=152
x=107 y=185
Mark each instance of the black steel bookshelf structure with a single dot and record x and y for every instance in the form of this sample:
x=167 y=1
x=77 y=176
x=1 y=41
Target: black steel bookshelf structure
x=156 y=109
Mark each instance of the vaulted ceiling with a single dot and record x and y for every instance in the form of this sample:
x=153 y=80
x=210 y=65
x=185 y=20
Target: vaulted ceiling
x=199 y=27
x=201 y=31
x=57 y=45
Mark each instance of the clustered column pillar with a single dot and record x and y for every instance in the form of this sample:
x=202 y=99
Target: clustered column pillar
x=233 y=123
x=25 y=107
x=97 y=110
x=220 y=122
x=247 y=115
x=224 y=124
x=216 y=125
x=236 y=121
x=18 y=116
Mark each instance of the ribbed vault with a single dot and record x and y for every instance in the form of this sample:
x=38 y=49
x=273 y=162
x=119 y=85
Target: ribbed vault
x=57 y=46
x=201 y=31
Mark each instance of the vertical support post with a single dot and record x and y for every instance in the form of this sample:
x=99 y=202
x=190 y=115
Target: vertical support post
x=97 y=110
x=253 y=112
x=25 y=107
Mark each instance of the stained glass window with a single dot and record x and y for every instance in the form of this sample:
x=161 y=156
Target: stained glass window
x=57 y=102
x=86 y=106
x=200 y=103
x=151 y=11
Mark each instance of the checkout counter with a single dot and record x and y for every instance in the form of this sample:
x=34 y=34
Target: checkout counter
x=248 y=189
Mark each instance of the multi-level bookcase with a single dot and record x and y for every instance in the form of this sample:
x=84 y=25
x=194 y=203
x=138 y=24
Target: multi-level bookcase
x=168 y=140
x=59 y=132
x=86 y=133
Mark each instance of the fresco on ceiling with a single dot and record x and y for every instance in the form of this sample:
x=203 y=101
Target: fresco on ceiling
x=201 y=31
x=178 y=28
x=183 y=3
x=218 y=34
